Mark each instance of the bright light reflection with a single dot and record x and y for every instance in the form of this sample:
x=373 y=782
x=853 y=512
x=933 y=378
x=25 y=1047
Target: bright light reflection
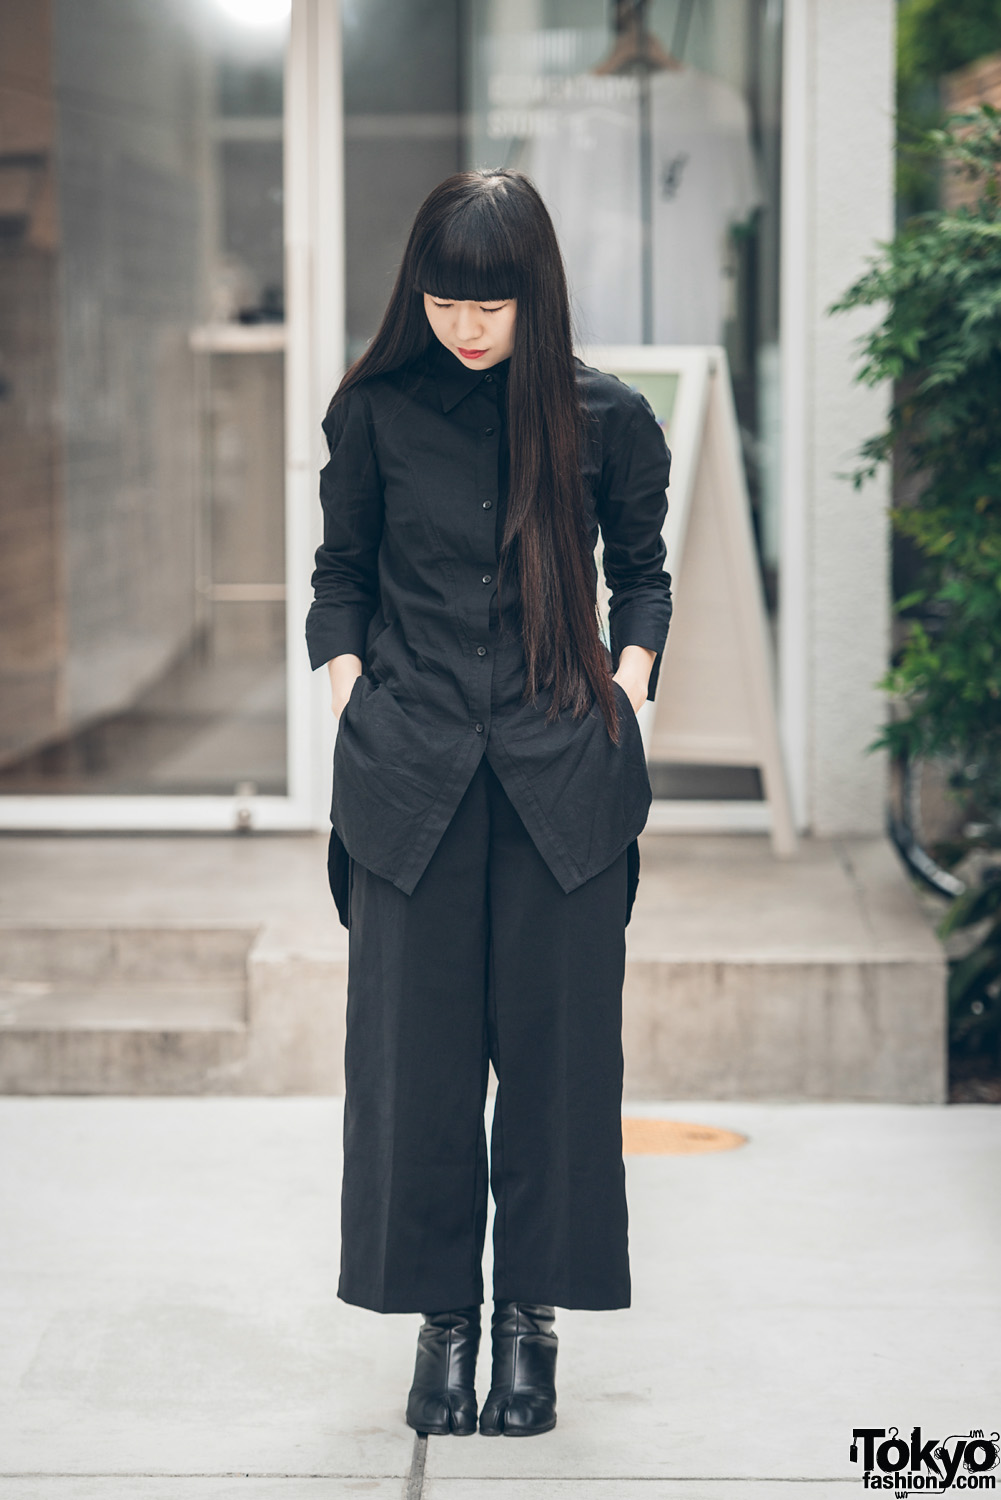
x=256 y=12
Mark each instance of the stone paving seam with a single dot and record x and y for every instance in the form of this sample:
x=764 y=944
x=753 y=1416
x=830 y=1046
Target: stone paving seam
x=190 y=1474
x=418 y=1464
x=647 y=1479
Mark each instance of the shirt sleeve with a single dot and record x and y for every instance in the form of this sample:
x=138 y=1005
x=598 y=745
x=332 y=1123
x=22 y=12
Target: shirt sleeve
x=345 y=580
x=632 y=507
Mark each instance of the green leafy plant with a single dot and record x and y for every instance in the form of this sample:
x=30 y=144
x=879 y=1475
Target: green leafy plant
x=934 y=37
x=938 y=286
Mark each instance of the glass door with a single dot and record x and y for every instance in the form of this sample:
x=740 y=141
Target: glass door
x=145 y=632
x=652 y=128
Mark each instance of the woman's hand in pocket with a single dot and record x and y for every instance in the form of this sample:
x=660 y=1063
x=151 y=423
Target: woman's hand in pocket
x=633 y=675
x=344 y=673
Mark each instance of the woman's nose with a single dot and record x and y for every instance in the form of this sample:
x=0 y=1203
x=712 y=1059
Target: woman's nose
x=468 y=329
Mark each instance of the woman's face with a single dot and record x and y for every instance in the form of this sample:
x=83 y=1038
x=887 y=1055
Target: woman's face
x=479 y=334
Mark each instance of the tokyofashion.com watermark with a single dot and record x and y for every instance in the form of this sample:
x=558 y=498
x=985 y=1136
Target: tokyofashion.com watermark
x=961 y=1461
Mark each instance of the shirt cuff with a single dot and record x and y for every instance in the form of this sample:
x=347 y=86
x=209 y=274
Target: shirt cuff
x=339 y=631
x=651 y=637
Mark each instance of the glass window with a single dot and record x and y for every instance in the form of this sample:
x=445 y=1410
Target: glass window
x=652 y=131
x=403 y=133
x=142 y=638
x=663 y=181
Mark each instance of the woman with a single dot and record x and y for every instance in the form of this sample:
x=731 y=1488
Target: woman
x=489 y=784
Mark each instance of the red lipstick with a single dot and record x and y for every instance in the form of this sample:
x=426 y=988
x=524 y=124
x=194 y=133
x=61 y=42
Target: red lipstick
x=472 y=353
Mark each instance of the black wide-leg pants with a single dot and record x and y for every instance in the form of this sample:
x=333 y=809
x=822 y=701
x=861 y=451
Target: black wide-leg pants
x=487 y=960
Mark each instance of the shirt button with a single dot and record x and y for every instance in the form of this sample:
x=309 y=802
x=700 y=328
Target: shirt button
x=487 y=504
x=488 y=380
x=487 y=578
x=481 y=650
x=489 y=431
x=478 y=728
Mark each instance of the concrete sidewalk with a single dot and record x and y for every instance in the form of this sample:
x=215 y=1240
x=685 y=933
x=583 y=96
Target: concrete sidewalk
x=170 y=1329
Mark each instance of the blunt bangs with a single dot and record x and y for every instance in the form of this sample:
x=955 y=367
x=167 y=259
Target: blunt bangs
x=470 y=258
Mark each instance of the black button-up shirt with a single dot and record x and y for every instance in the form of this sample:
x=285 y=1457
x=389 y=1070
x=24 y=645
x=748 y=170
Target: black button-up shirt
x=413 y=499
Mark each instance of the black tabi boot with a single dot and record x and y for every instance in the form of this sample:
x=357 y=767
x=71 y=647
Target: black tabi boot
x=443 y=1397
x=522 y=1399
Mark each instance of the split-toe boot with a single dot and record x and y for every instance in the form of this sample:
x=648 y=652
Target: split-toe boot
x=443 y=1396
x=522 y=1397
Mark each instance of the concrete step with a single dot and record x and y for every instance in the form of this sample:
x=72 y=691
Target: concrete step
x=187 y=1007
x=42 y=1005
x=817 y=977
x=126 y=1009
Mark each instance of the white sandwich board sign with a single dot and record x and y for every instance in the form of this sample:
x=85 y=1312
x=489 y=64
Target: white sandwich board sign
x=716 y=700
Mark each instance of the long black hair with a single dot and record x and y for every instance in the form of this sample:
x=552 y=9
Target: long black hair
x=487 y=236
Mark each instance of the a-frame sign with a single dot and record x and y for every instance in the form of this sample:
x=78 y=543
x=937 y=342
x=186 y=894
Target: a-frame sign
x=716 y=700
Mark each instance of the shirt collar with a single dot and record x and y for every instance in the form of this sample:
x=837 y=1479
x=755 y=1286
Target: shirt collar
x=455 y=380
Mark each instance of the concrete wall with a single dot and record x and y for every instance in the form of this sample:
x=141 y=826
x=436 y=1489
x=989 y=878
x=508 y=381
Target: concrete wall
x=102 y=112
x=32 y=622
x=132 y=103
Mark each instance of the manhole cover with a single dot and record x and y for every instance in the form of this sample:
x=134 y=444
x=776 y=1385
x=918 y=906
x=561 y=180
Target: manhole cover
x=641 y=1137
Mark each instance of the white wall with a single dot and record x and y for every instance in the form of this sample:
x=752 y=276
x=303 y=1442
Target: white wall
x=838 y=139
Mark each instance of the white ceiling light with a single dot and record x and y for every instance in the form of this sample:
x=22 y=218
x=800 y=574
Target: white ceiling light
x=257 y=12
